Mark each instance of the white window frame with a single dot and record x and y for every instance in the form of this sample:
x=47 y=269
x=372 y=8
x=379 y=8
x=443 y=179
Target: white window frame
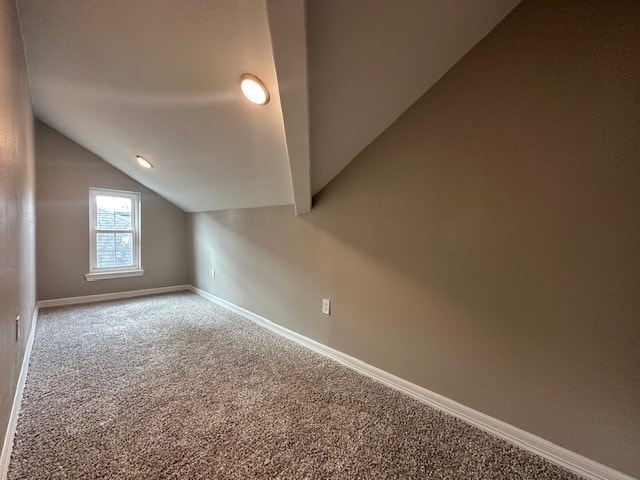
x=135 y=270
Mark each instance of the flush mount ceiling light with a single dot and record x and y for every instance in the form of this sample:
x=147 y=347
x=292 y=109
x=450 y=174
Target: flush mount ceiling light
x=144 y=162
x=253 y=88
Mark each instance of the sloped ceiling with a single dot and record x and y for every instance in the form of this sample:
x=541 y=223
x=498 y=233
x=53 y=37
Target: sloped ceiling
x=159 y=78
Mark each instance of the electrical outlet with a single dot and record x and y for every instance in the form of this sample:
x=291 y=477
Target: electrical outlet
x=326 y=306
x=213 y=273
x=17 y=328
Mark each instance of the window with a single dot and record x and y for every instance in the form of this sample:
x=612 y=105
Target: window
x=114 y=223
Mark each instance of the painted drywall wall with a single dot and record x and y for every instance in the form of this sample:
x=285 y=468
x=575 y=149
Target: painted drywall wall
x=17 y=207
x=65 y=171
x=486 y=245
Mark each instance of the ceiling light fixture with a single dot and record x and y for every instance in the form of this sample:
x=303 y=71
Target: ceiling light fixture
x=253 y=88
x=144 y=162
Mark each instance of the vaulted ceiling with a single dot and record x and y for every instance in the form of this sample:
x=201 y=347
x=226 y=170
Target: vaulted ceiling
x=159 y=78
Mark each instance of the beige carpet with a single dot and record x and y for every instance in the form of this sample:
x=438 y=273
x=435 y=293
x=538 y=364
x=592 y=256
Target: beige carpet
x=173 y=386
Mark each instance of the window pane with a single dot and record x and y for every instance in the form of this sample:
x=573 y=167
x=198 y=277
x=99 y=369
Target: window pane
x=105 y=251
x=114 y=250
x=113 y=212
x=105 y=211
x=124 y=250
x=122 y=213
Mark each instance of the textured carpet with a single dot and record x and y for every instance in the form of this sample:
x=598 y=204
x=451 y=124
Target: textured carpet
x=173 y=386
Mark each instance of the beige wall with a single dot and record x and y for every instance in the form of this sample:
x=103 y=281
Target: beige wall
x=17 y=216
x=65 y=171
x=486 y=246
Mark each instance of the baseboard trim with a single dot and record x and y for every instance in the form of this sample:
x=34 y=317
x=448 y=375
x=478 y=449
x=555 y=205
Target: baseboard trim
x=572 y=461
x=57 y=302
x=7 y=445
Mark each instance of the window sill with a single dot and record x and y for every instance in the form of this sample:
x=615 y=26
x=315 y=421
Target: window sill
x=92 y=277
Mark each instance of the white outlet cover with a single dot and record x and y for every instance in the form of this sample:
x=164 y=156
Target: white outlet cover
x=326 y=306
x=213 y=273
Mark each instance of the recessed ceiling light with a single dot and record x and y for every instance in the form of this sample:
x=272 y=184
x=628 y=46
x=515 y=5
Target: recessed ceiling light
x=144 y=162
x=253 y=88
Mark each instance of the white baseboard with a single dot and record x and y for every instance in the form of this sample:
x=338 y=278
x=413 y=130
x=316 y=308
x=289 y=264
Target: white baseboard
x=101 y=297
x=7 y=445
x=554 y=453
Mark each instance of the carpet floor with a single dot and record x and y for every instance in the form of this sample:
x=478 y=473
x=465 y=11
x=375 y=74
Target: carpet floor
x=174 y=386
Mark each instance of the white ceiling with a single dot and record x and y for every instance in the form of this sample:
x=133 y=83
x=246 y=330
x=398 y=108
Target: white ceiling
x=159 y=78
x=369 y=60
